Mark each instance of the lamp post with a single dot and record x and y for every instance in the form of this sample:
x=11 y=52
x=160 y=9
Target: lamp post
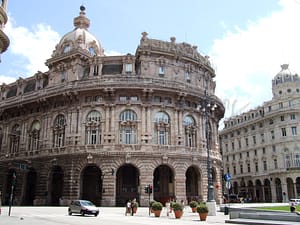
x=208 y=108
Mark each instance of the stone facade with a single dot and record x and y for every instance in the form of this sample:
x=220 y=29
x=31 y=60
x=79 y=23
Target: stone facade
x=261 y=147
x=102 y=127
x=4 y=40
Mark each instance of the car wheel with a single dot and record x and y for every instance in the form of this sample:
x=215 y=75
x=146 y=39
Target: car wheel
x=82 y=212
x=69 y=212
x=96 y=214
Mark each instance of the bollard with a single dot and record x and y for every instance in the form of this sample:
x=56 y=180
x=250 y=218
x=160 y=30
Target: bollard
x=226 y=210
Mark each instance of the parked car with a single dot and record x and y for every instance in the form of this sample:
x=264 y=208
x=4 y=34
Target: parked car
x=83 y=207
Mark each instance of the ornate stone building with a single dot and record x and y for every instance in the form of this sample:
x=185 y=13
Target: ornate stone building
x=261 y=147
x=4 y=41
x=103 y=127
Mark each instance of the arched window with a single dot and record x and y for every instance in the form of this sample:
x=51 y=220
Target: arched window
x=190 y=131
x=93 y=128
x=162 y=129
x=128 y=127
x=59 y=131
x=34 y=136
x=15 y=138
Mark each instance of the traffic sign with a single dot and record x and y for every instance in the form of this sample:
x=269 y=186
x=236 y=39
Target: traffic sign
x=227 y=177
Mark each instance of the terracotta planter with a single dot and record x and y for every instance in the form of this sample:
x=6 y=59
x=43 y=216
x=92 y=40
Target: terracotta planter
x=178 y=214
x=157 y=213
x=203 y=216
x=194 y=209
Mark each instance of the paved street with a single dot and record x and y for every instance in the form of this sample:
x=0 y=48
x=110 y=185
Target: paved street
x=107 y=216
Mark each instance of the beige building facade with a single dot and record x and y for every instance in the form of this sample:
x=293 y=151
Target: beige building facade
x=261 y=147
x=102 y=127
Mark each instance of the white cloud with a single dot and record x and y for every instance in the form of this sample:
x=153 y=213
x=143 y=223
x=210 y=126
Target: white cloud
x=248 y=59
x=34 y=45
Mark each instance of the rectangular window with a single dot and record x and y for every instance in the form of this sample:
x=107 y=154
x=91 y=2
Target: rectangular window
x=273 y=148
x=249 y=168
x=275 y=164
x=282 y=118
x=283 y=132
x=297 y=160
x=162 y=140
x=128 y=68
x=242 y=169
x=254 y=139
x=161 y=70
x=133 y=98
x=294 y=131
x=188 y=77
x=241 y=155
x=262 y=136
x=240 y=144
x=233 y=157
x=255 y=152
x=246 y=139
x=234 y=170
x=247 y=154
x=280 y=105
x=123 y=98
x=264 y=150
x=63 y=76
x=157 y=99
x=270 y=108
x=265 y=165
x=256 y=166
x=292 y=116
x=232 y=146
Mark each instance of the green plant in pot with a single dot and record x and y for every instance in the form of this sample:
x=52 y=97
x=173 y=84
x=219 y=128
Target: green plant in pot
x=156 y=208
x=202 y=209
x=193 y=205
x=178 y=209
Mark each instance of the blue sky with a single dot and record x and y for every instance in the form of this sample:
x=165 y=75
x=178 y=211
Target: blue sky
x=247 y=40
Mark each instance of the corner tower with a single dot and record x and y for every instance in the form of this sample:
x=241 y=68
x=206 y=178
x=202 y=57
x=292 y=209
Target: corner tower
x=74 y=50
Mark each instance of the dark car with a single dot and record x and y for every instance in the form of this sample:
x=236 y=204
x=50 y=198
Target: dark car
x=83 y=207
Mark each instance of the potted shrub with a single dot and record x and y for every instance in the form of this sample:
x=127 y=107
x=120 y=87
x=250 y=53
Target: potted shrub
x=193 y=205
x=202 y=209
x=156 y=208
x=177 y=209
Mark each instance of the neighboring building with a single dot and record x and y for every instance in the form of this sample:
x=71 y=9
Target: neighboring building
x=102 y=127
x=261 y=147
x=4 y=41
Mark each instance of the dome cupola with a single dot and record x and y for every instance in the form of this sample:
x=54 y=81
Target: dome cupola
x=79 y=38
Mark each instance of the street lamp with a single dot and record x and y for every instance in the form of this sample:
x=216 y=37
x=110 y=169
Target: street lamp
x=208 y=108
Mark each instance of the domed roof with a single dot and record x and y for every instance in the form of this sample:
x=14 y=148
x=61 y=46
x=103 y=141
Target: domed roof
x=285 y=75
x=80 y=37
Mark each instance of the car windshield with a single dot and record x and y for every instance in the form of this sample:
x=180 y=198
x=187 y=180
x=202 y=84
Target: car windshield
x=87 y=203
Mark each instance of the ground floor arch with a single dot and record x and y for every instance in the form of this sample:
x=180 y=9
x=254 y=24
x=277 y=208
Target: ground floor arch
x=193 y=184
x=163 y=184
x=127 y=184
x=91 y=184
x=30 y=187
x=56 y=185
